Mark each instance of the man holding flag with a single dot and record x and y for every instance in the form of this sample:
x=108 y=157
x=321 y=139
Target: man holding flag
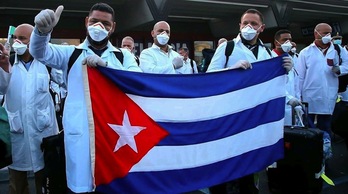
x=95 y=50
x=247 y=49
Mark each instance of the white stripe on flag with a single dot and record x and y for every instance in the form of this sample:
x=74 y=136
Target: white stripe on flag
x=186 y=156
x=176 y=109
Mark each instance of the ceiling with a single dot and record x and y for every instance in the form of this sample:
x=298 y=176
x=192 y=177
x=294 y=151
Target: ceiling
x=219 y=18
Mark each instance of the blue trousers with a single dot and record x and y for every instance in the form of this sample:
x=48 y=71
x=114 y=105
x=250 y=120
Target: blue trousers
x=323 y=122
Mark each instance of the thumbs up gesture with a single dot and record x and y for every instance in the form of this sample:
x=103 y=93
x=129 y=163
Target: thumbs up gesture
x=47 y=19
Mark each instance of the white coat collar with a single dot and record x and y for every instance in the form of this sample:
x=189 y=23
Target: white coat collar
x=170 y=48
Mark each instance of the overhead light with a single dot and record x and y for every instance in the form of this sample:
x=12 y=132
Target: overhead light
x=229 y=3
x=189 y=17
x=36 y=9
x=316 y=3
x=319 y=11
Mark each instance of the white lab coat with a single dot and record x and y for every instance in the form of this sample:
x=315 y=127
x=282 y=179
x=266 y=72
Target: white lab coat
x=318 y=85
x=75 y=119
x=187 y=68
x=291 y=87
x=30 y=111
x=154 y=60
x=240 y=52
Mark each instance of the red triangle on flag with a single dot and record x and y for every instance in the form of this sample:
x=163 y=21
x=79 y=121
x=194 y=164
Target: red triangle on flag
x=109 y=104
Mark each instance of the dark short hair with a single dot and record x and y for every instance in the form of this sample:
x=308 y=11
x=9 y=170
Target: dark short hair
x=104 y=8
x=253 y=11
x=184 y=48
x=280 y=32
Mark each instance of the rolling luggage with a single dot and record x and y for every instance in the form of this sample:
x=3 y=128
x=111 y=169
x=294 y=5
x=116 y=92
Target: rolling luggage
x=299 y=171
x=54 y=158
x=339 y=124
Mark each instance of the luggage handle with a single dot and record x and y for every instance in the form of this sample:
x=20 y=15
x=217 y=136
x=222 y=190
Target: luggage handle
x=302 y=119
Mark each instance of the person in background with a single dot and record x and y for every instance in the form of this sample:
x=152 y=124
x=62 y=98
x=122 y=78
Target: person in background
x=95 y=50
x=31 y=113
x=128 y=43
x=207 y=54
x=282 y=45
x=337 y=39
x=160 y=57
x=293 y=50
x=248 y=48
x=190 y=65
x=318 y=68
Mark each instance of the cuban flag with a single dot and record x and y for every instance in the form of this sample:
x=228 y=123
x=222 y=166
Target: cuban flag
x=156 y=133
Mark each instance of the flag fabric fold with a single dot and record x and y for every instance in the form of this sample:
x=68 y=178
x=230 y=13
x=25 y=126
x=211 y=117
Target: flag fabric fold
x=157 y=133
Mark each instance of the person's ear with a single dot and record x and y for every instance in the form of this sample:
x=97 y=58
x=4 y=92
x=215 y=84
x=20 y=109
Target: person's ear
x=113 y=28
x=86 y=22
x=262 y=27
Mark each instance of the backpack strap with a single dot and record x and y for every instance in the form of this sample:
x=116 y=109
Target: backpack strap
x=269 y=51
x=230 y=47
x=193 y=71
x=229 y=50
x=338 y=50
x=119 y=55
x=342 y=80
x=12 y=59
x=77 y=52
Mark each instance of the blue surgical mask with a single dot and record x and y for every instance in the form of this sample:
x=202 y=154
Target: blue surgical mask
x=337 y=41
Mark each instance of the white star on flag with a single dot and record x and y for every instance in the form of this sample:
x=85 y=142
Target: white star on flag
x=126 y=132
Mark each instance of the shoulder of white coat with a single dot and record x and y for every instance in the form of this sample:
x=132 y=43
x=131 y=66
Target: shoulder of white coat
x=305 y=50
x=144 y=52
x=173 y=53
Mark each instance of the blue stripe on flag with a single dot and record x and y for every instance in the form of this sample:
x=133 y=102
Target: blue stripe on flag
x=176 y=181
x=211 y=83
x=208 y=130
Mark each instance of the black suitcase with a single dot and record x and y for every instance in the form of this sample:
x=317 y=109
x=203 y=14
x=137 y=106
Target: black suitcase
x=298 y=171
x=54 y=158
x=339 y=124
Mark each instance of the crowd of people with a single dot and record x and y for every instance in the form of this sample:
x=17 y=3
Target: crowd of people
x=312 y=76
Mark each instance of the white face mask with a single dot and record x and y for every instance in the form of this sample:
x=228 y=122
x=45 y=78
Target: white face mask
x=248 y=32
x=293 y=50
x=97 y=32
x=286 y=46
x=19 y=47
x=326 y=39
x=162 y=38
